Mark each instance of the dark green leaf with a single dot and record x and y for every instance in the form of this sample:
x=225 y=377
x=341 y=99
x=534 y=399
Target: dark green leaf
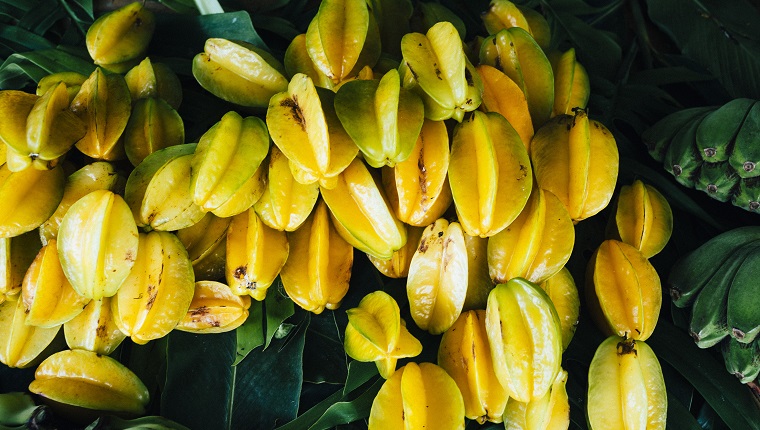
x=148 y=362
x=40 y=19
x=731 y=400
x=668 y=75
x=200 y=379
x=679 y=417
x=184 y=35
x=150 y=422
x=576 y=7
x=268 y=384
x=204 y=390
x=180 y=6
x=597 y=50
x=250 y=335
x=278 y=307
x=324 y=348
x=720 y=36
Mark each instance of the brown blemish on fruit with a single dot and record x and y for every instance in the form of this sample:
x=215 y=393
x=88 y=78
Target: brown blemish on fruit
x=239 y=272
x=201 y=311
x=423 y=246
x=152 y=293
x=295 y=111
x=523 y=173
x=468 y=78
x=101 y=331
x=129 y=257
x=412 y=70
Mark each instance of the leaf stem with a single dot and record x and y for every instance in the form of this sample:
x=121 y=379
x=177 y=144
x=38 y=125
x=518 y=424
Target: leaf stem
x=208 y=7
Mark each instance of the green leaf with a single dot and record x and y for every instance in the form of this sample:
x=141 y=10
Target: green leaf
x=184 y=35
x=17 y=72
x=250 y=335
x=731 y=400
x=279 y=26
x=111 y=422
x=341 y=407
x=278 y=308
x=313 y=414
x=21 y=68
x=345 y=412
x=16 y=408
x=204 y=390
x=40 y=19
x=359 y=373
x=721 y=36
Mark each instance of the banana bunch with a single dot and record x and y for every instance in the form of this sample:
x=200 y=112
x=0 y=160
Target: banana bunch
x=716 y=282
x=712 y=149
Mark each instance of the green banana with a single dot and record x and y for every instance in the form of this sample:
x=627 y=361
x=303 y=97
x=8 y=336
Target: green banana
x=747 y=195
x=708 y=324
x=694 y=270
x=717 y=179
x=681 y=159
x=657 y=137
x=742 y=360
x=746 y=153
x=719 y=128
x=742 y=314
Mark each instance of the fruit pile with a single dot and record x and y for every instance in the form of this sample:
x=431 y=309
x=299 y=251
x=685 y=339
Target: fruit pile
x=466 y=180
